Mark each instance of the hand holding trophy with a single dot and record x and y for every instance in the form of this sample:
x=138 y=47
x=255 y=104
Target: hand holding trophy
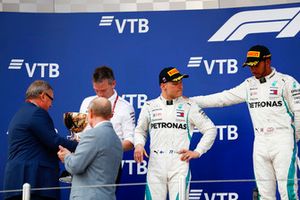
x=75 y=123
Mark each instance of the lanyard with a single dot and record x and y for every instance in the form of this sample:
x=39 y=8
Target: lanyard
x=114 y=105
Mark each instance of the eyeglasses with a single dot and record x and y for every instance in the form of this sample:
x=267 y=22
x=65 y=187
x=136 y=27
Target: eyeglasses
x=51 y=98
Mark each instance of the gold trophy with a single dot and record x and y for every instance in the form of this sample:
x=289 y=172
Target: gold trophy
x=75 y=123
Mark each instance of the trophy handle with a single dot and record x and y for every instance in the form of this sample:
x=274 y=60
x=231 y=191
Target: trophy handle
x=71 y=136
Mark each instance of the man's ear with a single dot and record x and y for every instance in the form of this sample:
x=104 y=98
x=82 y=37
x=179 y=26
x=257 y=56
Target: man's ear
x=162 y=86
x=111 y=115
x=91 y=113
x=114 y=84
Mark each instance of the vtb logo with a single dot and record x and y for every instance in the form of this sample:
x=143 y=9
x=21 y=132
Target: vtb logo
x=286 y=21
x=199 y=193
x=134 y=25
x=42 y=68
x=222 y=66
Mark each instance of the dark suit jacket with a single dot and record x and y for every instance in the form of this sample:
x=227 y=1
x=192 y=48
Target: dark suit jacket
x=96 y=161
x=32 y=152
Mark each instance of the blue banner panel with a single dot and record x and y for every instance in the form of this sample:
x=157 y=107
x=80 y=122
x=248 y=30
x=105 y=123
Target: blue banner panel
x=209 y=45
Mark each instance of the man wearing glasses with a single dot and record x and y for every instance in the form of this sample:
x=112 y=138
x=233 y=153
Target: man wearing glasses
x=32 y=146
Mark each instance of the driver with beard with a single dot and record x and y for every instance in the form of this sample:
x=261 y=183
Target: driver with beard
x=273 y=101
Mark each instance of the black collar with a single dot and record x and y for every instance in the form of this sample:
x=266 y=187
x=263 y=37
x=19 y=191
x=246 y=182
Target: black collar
x=169 y=102
x=262 y=80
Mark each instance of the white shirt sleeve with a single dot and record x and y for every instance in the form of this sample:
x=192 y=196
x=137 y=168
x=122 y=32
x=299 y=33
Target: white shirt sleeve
x=85 y=104
x=128 y=124
x=141 y=130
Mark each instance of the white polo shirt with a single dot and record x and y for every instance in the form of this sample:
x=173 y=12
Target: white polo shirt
x=123 y=119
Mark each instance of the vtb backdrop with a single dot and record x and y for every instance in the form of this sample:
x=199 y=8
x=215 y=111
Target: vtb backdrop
x=209 y=45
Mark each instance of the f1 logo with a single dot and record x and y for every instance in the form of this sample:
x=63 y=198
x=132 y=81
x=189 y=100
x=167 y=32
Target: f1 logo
x=286 y=21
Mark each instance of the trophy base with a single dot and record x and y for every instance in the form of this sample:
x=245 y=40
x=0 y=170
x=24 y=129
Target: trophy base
x=65 y=177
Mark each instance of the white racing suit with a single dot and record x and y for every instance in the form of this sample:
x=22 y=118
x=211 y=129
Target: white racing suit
x=274 y=107
x=171 y=128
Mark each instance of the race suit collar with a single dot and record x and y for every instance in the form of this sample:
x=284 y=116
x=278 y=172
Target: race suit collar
x=168 y=102
x=271 y=74
x=268 y=77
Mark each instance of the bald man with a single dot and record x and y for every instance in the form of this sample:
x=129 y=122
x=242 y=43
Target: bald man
x=98 y=156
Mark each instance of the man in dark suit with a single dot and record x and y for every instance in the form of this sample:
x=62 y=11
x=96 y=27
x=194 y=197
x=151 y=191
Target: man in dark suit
x=32 y=146
x=98 y=156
